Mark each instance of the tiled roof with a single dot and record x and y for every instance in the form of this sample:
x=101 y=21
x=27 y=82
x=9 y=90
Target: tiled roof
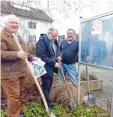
x=33 y=13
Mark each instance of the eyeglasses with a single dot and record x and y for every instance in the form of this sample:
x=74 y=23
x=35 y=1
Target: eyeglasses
x=54 y=36
x=70 y=33
x=14 y=23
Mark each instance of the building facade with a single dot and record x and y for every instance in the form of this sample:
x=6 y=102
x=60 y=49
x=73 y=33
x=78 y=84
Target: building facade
x=34 y=22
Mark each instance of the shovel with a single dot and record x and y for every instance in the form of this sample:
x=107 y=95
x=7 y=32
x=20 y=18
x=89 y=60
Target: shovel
x=71 y=99
x=50 y=114
x=90 y=98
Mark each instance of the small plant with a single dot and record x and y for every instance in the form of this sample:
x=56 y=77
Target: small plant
x=3 y=114
x=35 y=110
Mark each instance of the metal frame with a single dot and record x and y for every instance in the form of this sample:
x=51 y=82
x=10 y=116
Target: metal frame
x=86 y=20
x=78 y=90
x=82 y=63
x=112 y=107
x=98 y=16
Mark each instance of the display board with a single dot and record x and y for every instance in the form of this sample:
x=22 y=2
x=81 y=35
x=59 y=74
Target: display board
x=96 y=41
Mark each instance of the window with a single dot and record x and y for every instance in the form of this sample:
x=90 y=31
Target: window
x=32 y=44
x=32 y=25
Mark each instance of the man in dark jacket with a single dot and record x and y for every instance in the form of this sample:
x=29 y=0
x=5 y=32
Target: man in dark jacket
x=46 y=50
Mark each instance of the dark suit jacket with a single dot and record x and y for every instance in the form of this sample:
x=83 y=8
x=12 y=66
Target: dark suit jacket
x=45 y=51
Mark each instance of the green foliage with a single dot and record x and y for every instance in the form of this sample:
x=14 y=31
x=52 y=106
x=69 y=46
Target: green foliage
x=90 y=112
x=64 y=111
x=3 y=114
x=37 y=110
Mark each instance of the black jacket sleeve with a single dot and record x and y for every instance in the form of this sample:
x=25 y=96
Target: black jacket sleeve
x=43 y=53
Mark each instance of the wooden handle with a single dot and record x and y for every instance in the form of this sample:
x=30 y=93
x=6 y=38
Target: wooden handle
x=36 y=81
x=65 y=82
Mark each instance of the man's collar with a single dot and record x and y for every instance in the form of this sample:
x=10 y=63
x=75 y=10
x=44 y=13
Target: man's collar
x=7 y=33
x=70 y=41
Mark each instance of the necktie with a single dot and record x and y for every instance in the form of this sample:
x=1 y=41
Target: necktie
x=54 y=47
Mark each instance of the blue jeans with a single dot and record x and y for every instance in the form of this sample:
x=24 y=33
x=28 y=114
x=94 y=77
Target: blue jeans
x=70 y=70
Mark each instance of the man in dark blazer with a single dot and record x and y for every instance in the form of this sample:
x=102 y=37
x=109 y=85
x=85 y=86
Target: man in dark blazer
x=46 y=49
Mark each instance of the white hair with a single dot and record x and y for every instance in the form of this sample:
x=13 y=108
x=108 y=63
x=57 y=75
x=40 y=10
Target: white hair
x=11 y=18
x=51 y=30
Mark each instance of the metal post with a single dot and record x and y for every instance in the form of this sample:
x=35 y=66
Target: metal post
x=78 y=88
x=79 y=54
x=112 y=107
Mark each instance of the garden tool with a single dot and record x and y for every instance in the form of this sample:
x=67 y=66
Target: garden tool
x=50 y=114
x=71 y=98
x=90 y=98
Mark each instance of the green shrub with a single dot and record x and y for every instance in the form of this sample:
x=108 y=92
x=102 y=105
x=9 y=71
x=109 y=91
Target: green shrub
x=34 y=110
x=90 y=112
x=37 y=110
x=3 y=114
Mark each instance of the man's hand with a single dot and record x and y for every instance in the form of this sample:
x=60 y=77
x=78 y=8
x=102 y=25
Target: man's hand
x=57 y=65
x=35 y=59
x=59 y=58
x=22 y=54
